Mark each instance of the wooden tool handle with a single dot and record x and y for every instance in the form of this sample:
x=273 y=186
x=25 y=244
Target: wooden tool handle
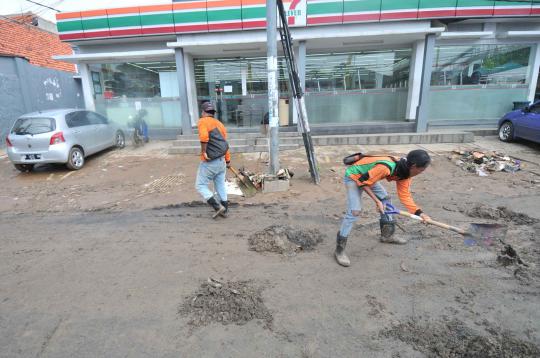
x=433 y=222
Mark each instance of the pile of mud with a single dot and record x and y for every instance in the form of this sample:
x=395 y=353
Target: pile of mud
x=500 y=213
x=448 y=339
x=284 y=240
x=226 y=303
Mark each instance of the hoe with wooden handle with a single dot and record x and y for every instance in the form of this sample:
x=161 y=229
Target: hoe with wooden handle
x=484 y=234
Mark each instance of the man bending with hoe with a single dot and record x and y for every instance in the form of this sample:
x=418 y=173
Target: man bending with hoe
x=364 y=174
x=215 y=159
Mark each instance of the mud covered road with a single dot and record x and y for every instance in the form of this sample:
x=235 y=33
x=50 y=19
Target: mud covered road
x=120 y=260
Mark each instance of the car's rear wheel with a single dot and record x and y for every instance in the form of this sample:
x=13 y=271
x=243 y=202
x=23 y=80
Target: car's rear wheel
x=75 y=158
x=120 y=141
x=24 y=167
x=506 y=131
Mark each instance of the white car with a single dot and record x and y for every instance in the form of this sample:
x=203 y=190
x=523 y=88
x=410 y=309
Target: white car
x=60 y=136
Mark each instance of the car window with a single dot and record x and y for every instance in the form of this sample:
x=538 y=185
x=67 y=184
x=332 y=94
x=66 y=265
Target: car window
x=535 y=108
x=76 y=119
x=104 y=119
x=95 y=118
x=33 y=126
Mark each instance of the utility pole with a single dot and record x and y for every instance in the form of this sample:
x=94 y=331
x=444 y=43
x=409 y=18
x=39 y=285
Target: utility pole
x=273 y=94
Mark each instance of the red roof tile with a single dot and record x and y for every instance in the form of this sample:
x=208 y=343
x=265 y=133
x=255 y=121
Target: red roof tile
x=21 y=39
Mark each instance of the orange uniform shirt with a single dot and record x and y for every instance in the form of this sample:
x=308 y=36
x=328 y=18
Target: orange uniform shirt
x=205 y=126
x=379 y=172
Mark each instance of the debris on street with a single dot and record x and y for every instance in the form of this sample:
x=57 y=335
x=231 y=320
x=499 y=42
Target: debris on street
x=225 y=302
x=452 y=338
x=483 y=163
x=284 y=240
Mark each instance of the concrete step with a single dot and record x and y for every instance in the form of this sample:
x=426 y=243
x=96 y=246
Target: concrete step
x=394 y=138
x=241 y=135
x=195 y=142
x=282 y=140
x=287 y=143
x=233 y=149
x=264 y=148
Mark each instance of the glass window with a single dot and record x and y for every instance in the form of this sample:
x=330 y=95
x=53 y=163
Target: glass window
x=33 y=126
x=135 y=79
x=94 y=118
x=77 y=119
x=226 y=75
x=132 y=86
x=535 y=109
x=480 y=65
x=357 y=70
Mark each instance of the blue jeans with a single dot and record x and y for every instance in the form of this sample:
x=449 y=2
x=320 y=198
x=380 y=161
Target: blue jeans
x=354 y=203
x=212 y=171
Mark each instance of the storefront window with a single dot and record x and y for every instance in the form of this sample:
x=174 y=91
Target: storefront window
x=340 y=88
x=480 y=64
x=358 y=70
x=483 y=79
x=132 y=86
x=368 y=86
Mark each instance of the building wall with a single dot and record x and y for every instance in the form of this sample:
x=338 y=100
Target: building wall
x=26 y=88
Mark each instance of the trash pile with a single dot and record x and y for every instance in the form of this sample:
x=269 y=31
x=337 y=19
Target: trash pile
x=226 y=302
x=483 y=163
x=258 y=179
x=285 y=240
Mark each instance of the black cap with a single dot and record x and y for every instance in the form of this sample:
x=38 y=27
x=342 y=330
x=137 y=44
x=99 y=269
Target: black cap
x=208 y=107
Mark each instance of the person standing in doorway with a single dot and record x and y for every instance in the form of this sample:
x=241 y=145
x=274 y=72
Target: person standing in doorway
x=363 y=175
x=215 y=159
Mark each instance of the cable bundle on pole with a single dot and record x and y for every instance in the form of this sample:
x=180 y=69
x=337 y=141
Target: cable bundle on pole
x=298 y=94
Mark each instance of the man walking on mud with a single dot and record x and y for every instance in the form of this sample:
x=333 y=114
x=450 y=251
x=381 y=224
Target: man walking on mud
x=215 y=159
x=363 y=174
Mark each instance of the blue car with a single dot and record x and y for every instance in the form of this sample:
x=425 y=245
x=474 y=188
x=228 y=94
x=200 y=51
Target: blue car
x=521 y=123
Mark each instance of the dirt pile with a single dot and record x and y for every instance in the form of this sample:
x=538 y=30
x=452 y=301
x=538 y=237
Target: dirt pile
x=449 y=339
x=284 y=240
x=500 y=213
x=226 y=303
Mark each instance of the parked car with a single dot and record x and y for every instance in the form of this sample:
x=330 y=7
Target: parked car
x=60 y=136
x=521 y=123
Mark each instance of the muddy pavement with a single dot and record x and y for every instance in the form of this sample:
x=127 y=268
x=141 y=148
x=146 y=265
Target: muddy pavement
x=100 y=276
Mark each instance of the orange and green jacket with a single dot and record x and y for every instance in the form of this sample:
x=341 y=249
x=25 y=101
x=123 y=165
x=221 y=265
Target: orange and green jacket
x=369 y=170
x=208 y=124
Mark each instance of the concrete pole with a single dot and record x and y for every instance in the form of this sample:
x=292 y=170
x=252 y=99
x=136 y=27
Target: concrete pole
x=415 y=79
x=422 y=115
x=87 y=88
x=273 y=94
x=182 y=90
x=534 y=65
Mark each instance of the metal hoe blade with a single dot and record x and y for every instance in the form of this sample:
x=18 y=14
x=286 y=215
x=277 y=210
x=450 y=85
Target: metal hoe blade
x=485 y=234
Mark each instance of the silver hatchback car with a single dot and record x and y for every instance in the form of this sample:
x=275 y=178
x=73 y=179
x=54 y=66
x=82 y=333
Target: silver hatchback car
x=60 y=136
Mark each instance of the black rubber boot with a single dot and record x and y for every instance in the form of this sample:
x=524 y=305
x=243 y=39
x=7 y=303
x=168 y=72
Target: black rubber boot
x=225 y=204
x=341 y=257
x=220 y=209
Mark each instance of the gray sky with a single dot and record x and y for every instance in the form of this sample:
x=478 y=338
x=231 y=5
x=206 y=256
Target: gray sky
x=18 y=6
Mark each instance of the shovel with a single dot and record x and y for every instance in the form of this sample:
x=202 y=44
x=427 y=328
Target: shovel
x=477 y=234
x=245 y=184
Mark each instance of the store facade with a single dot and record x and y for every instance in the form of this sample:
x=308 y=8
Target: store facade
x=362 y=61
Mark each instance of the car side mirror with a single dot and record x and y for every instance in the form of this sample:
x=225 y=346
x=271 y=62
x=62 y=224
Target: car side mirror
x=526 y=109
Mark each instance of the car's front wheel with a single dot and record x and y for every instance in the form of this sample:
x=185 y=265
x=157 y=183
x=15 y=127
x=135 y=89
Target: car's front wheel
x=506 y=131
x=24 y=167
x=75 y=159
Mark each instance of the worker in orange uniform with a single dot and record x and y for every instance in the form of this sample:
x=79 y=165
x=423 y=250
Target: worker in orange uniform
x=363 y=174
x=215 y=159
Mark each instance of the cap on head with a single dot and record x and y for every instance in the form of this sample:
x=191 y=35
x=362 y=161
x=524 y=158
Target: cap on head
x=418 y=157
x=208 y=107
